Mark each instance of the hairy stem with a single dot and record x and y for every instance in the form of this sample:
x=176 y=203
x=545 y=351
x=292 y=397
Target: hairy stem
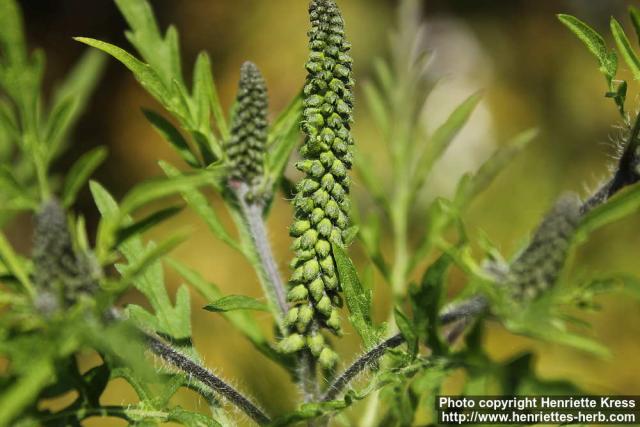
x=359 y=365
x=185 y=364
x=274 y=287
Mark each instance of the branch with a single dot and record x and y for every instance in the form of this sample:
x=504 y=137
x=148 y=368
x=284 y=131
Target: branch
x=203 y=375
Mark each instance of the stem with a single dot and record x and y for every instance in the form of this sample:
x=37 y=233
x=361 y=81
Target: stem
x=272 y=282
x=203 y=375
x=367 y=359
x=307 y=375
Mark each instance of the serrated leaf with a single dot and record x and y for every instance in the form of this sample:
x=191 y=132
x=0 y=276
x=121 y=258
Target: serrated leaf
x=173 y=136
x=80 y=172
x=595 y=43
x=358 y=300
x=234 y=303
x=624 y=47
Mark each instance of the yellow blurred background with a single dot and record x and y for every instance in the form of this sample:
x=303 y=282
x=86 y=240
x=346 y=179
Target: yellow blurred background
x=533 y=73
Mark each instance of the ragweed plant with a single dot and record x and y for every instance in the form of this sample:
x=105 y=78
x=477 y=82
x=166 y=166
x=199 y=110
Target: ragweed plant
x=63 y=297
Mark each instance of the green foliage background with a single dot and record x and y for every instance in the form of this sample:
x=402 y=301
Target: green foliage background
x=535 y=74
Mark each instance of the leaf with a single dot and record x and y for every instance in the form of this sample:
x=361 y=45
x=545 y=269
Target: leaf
x=161 y=53
x=204 y=88
x=12 y=41
x=623 y=204
x=426 y=301
x=173 y=136
x=25 y=389
x=14 y=265
x=200 y=204
x=146 y=223
x=283 y=138
x=595 y=43
x=634 y=14
x=377 y=106
x=243 y=321
x=472 y=186
x=71 y=97
x=158 y=188
x=145 y=75
x=408 y=331
x=624 y=47
x=357 y=298
x=152 y=254
x=235 y=302
x=442 y=138
x=80 y=172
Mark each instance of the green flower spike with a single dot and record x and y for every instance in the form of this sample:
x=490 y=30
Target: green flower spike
x=246 y=146
x=322 y=202
x=540 y=264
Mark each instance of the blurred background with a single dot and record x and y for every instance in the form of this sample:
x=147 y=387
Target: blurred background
x=532 y=71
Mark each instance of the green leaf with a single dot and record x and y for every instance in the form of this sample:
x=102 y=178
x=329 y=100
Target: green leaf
x=408 y=331
x=158 y=188
x=472 y=186
x=80 y=172
x=634 y=13
x=201 y=206
x=595 y=43
x=624 y=47
x=152 y=254
x=377 y=106
x=71 y=97
x=146 y=75
x=173 y=136
x=14 y=264
x=243 y=321
x=442 y=138
x=235 y=302
x=283 y=138
x=623 y=204
x=204 y=91
x=161 y=53
x=426 y=301
x=12 y=43
x=146 y=223
x=357 y=298
x=21 y=393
